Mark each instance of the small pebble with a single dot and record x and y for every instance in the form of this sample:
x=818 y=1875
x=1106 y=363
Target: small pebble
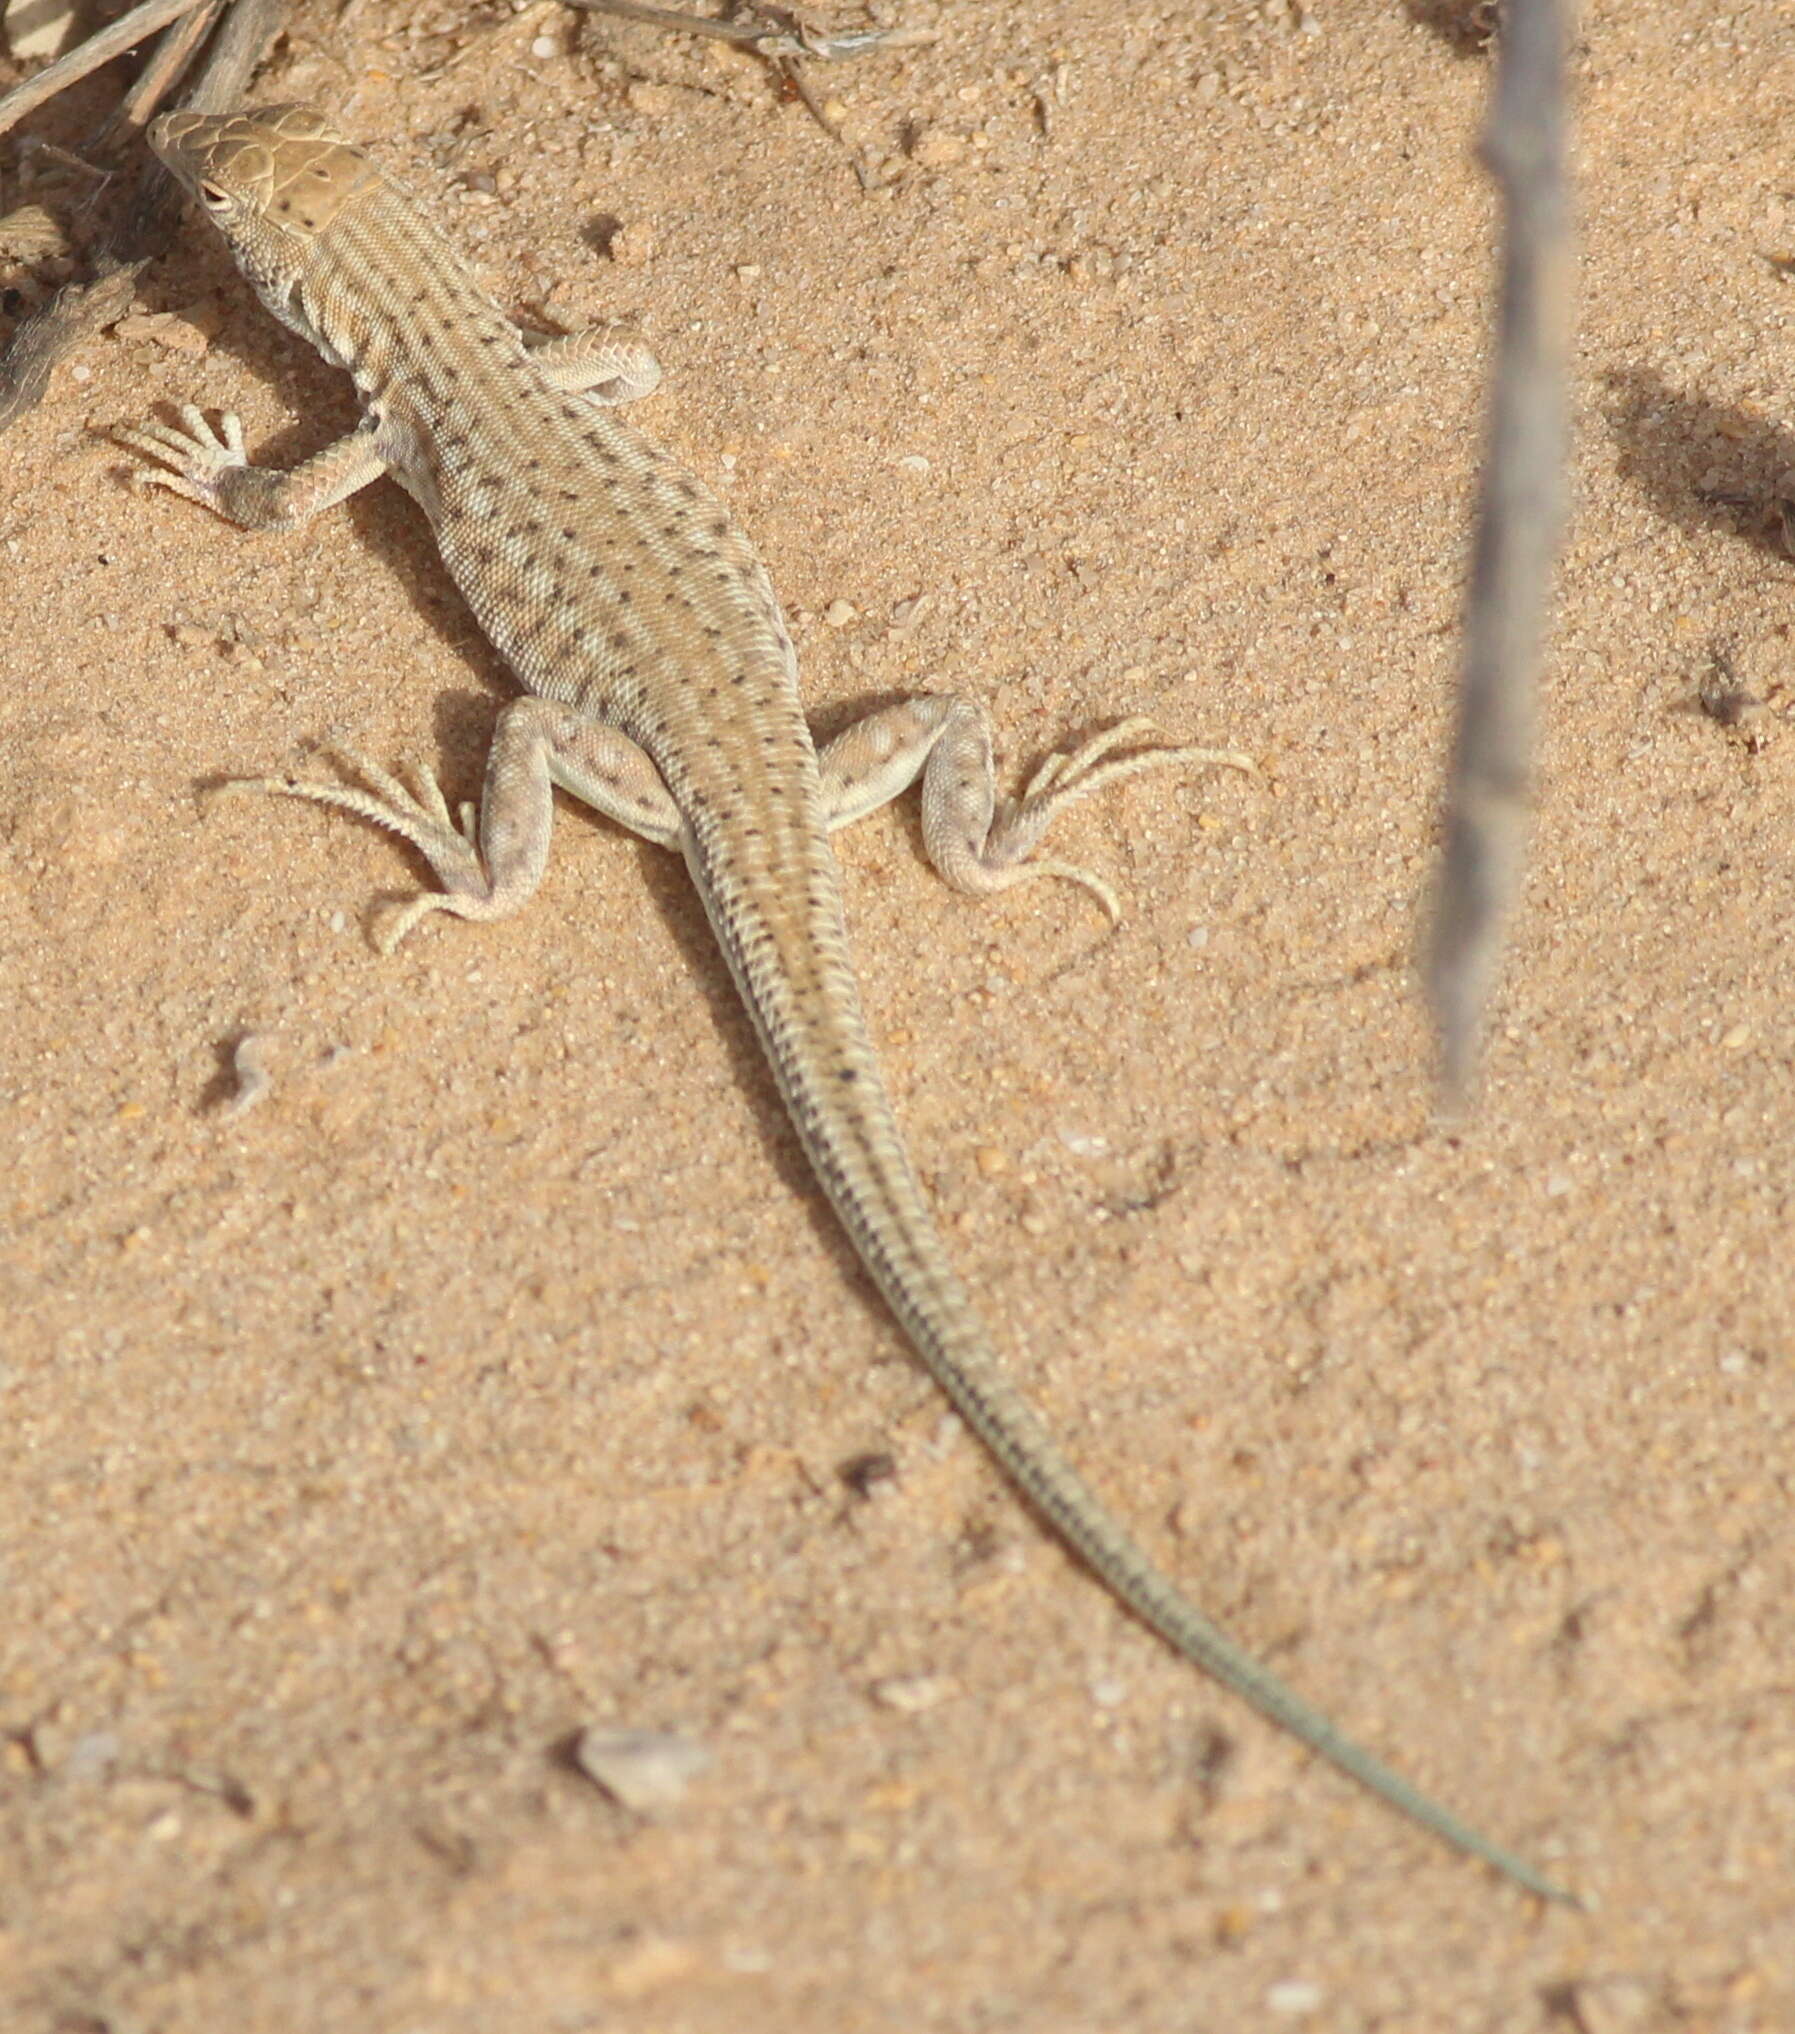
x=914 y=1694
x=863 y=1474
x=91 y=1755
x=640 y=1769
x=651 y=1966
x=1082 y=1145
x=630 y=246
x=1614 y=2005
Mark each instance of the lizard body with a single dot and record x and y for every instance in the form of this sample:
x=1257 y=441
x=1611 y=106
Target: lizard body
x=661 y=689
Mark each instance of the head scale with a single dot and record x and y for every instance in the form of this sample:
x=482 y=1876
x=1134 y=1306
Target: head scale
x=271 y=179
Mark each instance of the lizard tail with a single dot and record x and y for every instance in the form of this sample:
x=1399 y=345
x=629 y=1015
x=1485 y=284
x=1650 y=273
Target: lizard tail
x=799 y=987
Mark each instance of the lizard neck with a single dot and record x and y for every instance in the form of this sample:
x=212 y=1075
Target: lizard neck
x=383 y=295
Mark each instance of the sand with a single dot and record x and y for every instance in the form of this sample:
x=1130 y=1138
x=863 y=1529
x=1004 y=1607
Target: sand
x=496 y=1375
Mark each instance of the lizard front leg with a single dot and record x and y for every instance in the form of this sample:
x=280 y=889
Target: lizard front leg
x=978 y=843
x=211 y=467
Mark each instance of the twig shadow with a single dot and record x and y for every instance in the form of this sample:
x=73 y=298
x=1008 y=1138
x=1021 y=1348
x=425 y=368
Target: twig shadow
x=1704 y=465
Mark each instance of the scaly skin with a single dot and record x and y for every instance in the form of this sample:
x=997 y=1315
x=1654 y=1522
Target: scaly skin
x=662 y=690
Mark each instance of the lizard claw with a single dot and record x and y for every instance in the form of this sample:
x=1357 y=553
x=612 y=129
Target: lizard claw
x=1072 y=774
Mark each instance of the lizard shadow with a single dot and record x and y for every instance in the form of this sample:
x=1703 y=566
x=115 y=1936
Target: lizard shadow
x=462 y=730
x=1703 y=465
x=676 y=898
x=383 y=520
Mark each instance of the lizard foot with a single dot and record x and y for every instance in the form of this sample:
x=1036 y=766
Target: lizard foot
x=448 y=840
x=191 y=458
x=1071 y=774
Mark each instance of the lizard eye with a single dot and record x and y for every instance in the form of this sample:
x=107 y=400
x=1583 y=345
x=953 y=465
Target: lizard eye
x=214 y=197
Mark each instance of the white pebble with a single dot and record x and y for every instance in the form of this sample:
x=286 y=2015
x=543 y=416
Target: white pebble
x=914 y=1694
x=249 y=1067
x=1082 y=1144
x=641 y=1769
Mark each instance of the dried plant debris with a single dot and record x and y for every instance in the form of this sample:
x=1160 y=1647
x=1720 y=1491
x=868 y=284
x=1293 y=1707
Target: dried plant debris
x=768 y=30
x=36 y=29
x=249 y=1069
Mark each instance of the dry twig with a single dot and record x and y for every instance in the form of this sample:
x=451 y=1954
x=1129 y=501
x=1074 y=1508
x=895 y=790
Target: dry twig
x=113 y=40
x=1517 y=534
x=83 y=307
x=164 y=64
x=778 y=32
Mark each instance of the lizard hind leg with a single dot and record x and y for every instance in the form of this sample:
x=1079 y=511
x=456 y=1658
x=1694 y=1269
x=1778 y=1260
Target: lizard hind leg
x=490 y=861
x=978 y=843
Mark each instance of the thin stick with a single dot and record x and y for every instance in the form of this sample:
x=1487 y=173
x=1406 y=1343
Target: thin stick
x=781 y=35
x=161 y=68
x=243 y=39
x=121 y=35
x=1518 y=522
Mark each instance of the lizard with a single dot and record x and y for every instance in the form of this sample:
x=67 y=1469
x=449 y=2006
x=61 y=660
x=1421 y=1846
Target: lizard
x=660 y=689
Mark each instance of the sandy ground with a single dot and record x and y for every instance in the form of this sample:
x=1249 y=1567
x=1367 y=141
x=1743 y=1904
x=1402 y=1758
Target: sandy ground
x=496 y=1375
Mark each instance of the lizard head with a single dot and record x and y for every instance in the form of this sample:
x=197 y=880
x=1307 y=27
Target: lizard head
x=272 y=179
